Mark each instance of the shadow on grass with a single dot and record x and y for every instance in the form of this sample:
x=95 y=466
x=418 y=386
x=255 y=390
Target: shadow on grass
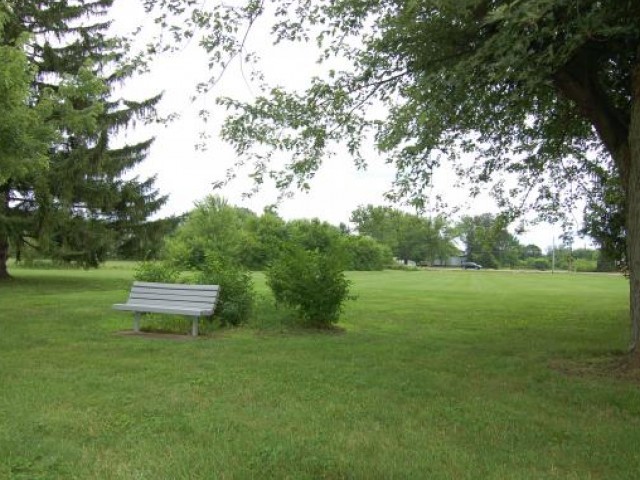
x=158 y=335
x=267 y=319
x=54 y=282
x=271 y=319
x=616 y=364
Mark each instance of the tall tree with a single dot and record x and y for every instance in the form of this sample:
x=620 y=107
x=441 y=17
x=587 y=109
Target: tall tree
x=408 y=236
x=266 y=235
x=213 y=227
x=548 y=90
x=77 y=204
x=488 y=242
x=24 y=136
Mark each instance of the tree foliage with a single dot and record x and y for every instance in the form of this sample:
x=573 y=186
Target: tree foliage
x=255 y=241
x=213 y=227
x=24 y=134
x=489 y=243
x=64 y=193
x=500 y=79
x=409 y=237
x=366 y=254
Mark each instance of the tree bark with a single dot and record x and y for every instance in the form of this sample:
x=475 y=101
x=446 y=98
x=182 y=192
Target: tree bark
x=633 y=215
x=4 y=239
x=578 y=82
x=4 y=256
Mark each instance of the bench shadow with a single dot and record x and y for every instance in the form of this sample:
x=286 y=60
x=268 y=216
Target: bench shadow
x=156 y=335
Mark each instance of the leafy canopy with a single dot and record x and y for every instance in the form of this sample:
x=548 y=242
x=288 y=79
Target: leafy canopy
x=539 y=89
x=62 y=189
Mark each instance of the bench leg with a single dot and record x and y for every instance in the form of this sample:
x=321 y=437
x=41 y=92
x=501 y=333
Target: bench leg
x=194 y=327
x=136 y=322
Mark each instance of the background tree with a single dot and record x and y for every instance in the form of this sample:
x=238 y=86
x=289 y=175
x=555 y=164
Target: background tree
x=408 y=236
x=212 y=228
x=314 y=234
x=145 y=241
x=531 y=251
x=377 y=222
x=488 y=242
x=24 y=134
x=439 y=240
x=265 y=235
x=365 y=253
x=605 y=220
x=76 y=207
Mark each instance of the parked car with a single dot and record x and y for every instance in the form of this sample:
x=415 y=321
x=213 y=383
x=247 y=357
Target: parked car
x=471 y=266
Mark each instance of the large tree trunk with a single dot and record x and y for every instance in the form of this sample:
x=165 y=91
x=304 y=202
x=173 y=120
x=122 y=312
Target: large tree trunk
x=4 y=240
x=4 y=256
x=633 y=215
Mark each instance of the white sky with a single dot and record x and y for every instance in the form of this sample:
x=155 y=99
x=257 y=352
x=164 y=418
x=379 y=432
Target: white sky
x=187 y=175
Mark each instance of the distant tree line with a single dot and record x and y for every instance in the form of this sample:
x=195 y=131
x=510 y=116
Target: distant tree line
x=380 y=237
x=254 y=241
x=487 y=242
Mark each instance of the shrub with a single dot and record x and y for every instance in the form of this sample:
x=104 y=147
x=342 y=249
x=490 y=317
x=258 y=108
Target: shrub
x=156 y=272
x=236 y=298
x=404 y=268
x=584 y=265
x=538 y=263
x=310 y=282
x=213 y=226
x=365 y=253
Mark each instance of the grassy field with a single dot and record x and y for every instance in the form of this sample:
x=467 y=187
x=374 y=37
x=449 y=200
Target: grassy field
x=438 y=374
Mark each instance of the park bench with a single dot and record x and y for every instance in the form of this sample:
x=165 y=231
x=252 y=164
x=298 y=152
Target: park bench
x=190 y=300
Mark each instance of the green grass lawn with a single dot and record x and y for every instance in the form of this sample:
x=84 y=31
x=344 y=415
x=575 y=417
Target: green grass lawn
x=438 y=374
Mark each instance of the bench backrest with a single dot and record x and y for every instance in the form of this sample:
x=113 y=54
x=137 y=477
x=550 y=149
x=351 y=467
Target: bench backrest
x=174 y=295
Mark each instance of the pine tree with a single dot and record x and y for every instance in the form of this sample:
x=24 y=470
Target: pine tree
x=76 y=208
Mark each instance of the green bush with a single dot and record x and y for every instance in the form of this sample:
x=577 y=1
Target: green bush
x=365 y=253
x=236 y=299
x=538 y=263
x=585 y=265
x=404 y=268
x=310 y=282
x=162 y=272
x=213 y=226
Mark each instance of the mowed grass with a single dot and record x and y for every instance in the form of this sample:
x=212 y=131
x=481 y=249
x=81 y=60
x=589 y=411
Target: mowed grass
x=438 y=374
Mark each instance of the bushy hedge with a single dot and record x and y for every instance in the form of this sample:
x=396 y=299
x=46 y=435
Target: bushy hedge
x=236 y=298
x=537 y=263
x=162 y=272
x=364 y=253
x=312 y=283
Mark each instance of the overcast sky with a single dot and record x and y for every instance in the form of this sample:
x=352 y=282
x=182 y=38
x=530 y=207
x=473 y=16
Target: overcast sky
x=187 y=175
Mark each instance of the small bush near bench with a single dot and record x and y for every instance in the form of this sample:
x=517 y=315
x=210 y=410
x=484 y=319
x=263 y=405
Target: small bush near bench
x=236 y=287
x=310 y=282
x=161 y=272
x=236 y=299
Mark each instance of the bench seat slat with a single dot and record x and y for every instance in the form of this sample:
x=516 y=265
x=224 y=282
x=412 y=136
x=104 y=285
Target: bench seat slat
x=166 y=303
x=179 y=301
x=179 y=297
x=157 y=308
x=177 y=291
x=176 y=286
